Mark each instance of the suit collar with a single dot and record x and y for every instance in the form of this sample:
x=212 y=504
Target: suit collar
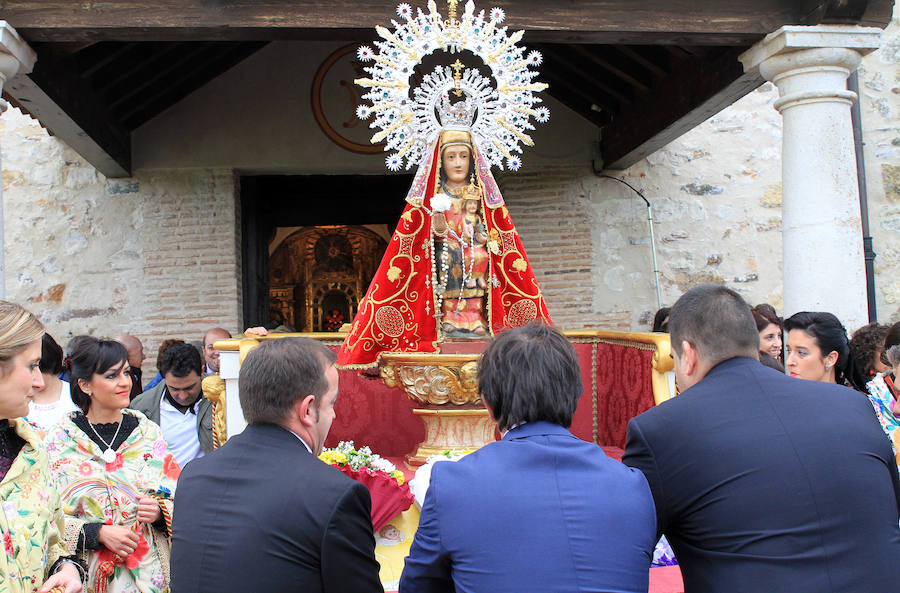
x=726 y=366
x=273 y=433
x=731 y=364
x=531 y=429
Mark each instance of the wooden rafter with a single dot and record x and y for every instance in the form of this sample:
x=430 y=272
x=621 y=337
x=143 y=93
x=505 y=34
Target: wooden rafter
x=718 y=22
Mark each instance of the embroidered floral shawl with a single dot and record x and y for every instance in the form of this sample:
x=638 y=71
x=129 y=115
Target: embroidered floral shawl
x=93 y=490
x=31 y=521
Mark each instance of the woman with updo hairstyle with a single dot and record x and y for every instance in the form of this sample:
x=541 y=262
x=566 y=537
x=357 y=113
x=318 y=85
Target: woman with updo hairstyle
x=52 y=402
x=769 y=329
x=818 y=349
x=32 y=521
x=115 y=475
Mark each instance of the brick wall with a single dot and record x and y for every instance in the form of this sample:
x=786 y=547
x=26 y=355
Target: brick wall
x=191 y=254
x=554 y=218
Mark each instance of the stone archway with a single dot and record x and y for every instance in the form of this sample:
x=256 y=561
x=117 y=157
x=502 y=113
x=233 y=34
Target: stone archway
x=318 y=274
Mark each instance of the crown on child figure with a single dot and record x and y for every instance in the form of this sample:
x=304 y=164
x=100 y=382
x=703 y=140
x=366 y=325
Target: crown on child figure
x=456 y=116
x=470 y=192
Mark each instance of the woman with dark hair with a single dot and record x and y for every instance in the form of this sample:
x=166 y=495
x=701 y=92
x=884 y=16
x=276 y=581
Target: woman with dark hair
x=31 y=523
x=769 y=329
x=882 y=388
x=818 y=350
x=115 y=475
x=867 y=346
x=53 y=401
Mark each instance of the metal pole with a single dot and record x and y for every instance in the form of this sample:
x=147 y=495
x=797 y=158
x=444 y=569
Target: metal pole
x=653 y=252
x=652 y=237
x=868 y=250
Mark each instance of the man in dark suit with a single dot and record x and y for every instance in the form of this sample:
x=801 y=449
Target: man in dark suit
x=763 y=482
x=262 y=513
x=539 y=510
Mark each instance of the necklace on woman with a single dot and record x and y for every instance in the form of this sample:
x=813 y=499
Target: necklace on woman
x=108 y=455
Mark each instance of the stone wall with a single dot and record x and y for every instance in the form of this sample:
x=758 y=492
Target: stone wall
x=156 y=255
x=879 y=77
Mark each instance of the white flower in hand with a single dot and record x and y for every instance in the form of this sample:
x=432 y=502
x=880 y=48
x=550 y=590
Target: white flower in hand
x=440 y=203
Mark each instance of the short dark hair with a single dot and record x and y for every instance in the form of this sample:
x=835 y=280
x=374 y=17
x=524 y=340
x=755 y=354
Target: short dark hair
x=51 y=356
x=830 y=336
x=716 y=321
x=277 y=373
x=166 y=344
x=661 y=320
x=866 y=346
x=529 y=374
x=87 y=356
x=180 y=359
x=893 y=336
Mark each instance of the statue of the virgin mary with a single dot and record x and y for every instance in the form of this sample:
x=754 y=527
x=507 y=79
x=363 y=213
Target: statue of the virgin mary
x=455 y=267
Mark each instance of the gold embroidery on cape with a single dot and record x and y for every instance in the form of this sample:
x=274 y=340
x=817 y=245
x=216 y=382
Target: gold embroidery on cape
x=401 y=297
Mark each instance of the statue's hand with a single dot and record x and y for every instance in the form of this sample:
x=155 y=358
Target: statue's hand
x=439 y=224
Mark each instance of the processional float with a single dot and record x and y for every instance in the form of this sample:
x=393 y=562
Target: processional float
x=455 y=272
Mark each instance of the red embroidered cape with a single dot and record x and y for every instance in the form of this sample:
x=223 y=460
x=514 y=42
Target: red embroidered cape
x=397 y=312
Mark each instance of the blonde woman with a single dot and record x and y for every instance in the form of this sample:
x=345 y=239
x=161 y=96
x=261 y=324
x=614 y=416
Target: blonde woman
x=31 y=521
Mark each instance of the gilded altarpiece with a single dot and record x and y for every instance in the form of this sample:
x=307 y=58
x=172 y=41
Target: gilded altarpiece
x=319 y=274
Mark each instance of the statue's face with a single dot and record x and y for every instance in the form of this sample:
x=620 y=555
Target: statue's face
x=455 y=162
x=471 y=206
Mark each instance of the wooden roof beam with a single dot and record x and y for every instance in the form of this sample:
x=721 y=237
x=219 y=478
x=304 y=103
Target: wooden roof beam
x=66 y=105
x=695 y=91
x=680 y=22
x=642 y=60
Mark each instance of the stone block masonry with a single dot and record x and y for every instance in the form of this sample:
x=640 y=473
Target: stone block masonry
x=156 y=255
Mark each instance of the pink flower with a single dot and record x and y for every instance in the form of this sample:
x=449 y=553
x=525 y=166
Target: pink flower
x=7 y=543
x=84 y=469
x=159 y=448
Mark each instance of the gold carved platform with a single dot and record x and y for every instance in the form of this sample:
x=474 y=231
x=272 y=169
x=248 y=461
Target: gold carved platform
x=446 y=387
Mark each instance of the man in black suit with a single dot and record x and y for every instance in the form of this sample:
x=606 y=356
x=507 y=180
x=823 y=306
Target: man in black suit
x=763 y=482
x=262 y=513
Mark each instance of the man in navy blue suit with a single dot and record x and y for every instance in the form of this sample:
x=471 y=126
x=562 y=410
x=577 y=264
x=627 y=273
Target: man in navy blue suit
x=763 y=482
x=540 y=510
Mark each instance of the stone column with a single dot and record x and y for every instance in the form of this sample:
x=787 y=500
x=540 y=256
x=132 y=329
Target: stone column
x=824 y=268
x=15 y=58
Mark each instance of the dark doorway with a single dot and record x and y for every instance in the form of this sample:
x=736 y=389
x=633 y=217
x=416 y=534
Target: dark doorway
x=272 y=201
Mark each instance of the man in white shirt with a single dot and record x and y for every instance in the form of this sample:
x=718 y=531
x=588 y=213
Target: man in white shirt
x=178 y=406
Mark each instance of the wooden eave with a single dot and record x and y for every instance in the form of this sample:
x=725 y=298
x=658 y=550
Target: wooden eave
x=643 y=72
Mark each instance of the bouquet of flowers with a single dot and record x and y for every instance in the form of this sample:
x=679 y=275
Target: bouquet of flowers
x=386 y=484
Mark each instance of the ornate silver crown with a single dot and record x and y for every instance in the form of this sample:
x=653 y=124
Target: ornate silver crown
x=456 y=116
x=498 y=106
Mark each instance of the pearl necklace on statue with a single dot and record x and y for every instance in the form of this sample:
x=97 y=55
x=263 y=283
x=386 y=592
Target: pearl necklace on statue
x=109 y=456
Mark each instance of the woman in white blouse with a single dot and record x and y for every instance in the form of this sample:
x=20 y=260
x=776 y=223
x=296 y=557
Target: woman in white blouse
x=53 y=402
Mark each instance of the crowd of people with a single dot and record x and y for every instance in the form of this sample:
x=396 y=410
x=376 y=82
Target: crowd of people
x=89 y=459
x=760 y=481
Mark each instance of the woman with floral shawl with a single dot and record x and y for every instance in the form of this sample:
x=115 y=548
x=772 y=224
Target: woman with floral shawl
x=115 y=476
x=31 y=521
